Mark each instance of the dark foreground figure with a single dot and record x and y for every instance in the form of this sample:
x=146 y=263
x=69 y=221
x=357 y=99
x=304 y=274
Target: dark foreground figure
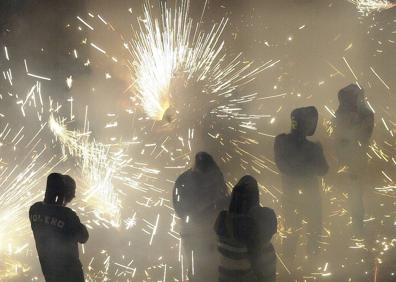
x=244 y=237
x=301 y=162
x=199 y=195
x=57 y=231
x=354 y=124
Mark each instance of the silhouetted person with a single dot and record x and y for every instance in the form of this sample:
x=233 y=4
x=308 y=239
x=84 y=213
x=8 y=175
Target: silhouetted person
x=354 y=124
x=57 y=231
x=199 y=195
x=301 y=162
x=244 y=237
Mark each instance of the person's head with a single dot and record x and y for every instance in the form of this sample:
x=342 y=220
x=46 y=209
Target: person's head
x=70 y=186
x=60 y=189
x=351 y=97
x=245 y=195
x=304 y=121
x=204 y=162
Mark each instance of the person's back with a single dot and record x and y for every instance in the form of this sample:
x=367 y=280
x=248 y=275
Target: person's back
x=301 y=162
x=199 y=194
x=353 y=127
x=244 y=238
x=57 y=231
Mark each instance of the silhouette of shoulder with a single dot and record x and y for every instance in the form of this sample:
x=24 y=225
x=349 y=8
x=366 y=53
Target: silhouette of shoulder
x=185 y=176
x=220 y=225
x=238 y=226
x=281 y=138
x=265 y=224
x=42 y=207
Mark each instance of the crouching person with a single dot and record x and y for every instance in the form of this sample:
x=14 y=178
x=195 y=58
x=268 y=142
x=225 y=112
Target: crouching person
x=244 y=237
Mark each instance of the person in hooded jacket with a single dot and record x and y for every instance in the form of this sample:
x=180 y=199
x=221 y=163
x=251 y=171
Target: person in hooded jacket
x=198 y=196
x=353 y=127
x=301 y=163
x=244 y=236
x=57 y=231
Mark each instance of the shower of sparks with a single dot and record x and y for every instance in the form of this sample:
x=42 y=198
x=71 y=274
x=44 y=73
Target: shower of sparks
x=366 y=7
x=167 y=52
x=175 y=48
x=20 y=175
x=98 y=166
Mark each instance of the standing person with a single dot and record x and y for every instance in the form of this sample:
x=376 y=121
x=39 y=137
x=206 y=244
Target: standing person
x=198 y=196
x=301 y=162
x=354 y=124
x=57 y=231
x=244 y=237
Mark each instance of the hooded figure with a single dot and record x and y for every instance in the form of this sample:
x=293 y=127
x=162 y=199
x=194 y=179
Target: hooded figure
x=57 y=231
x=354 y=124
x=301 y=162
x=199 y=195
x=244 y=236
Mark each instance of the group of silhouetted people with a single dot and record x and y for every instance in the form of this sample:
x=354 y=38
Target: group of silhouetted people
x=229 y=236
x=301 y=163
x=243 y=228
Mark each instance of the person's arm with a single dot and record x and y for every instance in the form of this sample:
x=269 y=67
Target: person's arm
x=254 y=245
x=281 y=159
x=367 y=128
x=219 y=226
x=263 y=226
x=289 y=162
x=320 y=164
x=80 y=231
x=178 y=198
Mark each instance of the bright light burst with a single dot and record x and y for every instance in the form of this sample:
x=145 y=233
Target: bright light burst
x=175 y=46
x=166 y=51
x=366 y=7
x=98 y=167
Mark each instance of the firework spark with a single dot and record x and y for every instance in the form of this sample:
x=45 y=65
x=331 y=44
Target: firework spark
x=175 y=48
x=366 y=7
x=98 y=167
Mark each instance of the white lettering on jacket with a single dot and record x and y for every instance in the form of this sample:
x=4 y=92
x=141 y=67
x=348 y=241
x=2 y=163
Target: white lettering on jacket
x=48 y=220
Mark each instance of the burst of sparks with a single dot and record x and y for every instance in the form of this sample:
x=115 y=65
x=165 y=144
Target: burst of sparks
x=366 y=7
x=173 y=47
x=98 y=167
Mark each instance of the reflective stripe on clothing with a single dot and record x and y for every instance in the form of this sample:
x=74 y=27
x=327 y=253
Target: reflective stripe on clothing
x=234 y=260
x=235 y=264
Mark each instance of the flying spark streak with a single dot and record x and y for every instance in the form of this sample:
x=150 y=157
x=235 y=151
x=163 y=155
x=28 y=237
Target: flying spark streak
x=366 y=7
x=98 y=167
x=174 y=48
x=380 y=79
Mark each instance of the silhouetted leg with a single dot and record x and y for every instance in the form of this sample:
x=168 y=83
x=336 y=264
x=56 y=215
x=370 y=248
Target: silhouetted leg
x=356 y=204
x=293 y=218
x=313 y=214
x=200 y=256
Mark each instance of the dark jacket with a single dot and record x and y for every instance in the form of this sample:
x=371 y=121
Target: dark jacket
x=353 y=127
x=300 y=160
x=298 y=157
x=57 y=231
x=199 y=195
x=244 y=244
